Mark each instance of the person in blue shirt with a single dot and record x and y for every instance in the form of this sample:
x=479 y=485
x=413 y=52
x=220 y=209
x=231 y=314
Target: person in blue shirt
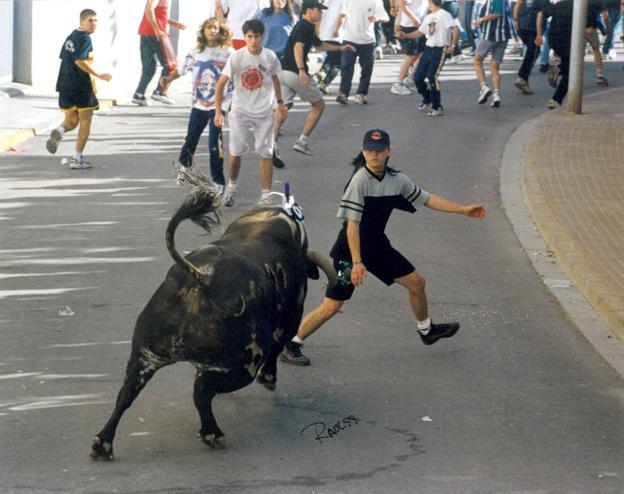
x=279 y=20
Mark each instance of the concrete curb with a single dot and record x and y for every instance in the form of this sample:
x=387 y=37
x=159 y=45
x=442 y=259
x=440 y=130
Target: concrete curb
x=578 y=309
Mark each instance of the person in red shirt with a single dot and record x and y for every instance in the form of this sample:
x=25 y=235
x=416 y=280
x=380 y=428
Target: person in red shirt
x=155 y=44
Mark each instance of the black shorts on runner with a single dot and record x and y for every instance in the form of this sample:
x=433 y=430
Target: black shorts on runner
x=412 y=47
x=387 y=264
x=78 y=101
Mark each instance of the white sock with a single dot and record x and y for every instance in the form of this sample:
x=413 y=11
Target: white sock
x=266 y=192
x=232 y=183
x=77 y=155
x=60 y=130
x=296 y=339
x=424 y=326
x=303 y=139
x=484 y=84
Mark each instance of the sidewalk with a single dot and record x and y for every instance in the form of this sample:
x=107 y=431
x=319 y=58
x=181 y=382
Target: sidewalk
x=573 y=180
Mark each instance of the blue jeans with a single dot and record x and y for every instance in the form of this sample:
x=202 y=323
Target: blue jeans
x=197 y=123
x=366 y=56
x=616 y=17
x=470 y=35
x=429 y=67
x=545 y=53
x=150 y=51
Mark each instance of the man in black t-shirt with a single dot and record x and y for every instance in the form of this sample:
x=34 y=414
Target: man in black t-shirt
x=295 y=77
x=76 y=88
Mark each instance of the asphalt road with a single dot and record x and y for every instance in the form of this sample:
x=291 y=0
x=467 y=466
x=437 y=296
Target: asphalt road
x=517 y=402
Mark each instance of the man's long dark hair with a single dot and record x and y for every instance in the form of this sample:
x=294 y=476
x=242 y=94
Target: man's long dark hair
x=360 y=161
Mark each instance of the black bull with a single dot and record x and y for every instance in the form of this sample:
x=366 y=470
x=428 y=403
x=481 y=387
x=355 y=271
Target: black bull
x=228 y=308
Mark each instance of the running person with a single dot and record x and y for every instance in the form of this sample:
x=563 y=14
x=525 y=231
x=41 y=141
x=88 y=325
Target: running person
x=373 y=192
x=76 y=88
x=442 y=35
x=155 y=44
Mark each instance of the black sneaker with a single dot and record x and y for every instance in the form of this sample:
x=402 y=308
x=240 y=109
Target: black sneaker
x=437 y=331
x=291 y=354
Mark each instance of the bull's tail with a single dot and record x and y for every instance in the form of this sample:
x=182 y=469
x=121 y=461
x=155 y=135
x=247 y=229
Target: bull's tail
x=202 y=207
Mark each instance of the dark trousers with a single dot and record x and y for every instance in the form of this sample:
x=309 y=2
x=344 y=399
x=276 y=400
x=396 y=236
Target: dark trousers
x=429 y=67
x=366 y=56
x=561 y=46
x=152 y=50
x=197 y=123
x=530 y=54
x=331 y=64
x=470 y=35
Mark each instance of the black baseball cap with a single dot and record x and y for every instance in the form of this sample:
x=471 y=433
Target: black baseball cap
x=376 y=140
x=312 y=4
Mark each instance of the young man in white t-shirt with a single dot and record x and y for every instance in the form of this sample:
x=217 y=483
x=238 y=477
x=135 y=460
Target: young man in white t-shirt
x=359 y=18
x=254 y=70
x=442 y=34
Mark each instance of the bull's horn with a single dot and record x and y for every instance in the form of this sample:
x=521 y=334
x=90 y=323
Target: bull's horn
x=325 y=265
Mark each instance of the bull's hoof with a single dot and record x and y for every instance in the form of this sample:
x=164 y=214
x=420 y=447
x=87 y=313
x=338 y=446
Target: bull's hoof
x=212 y=440
x=269 y=381
x=101 y=450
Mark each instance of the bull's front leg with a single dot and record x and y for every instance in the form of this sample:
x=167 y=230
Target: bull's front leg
x=141 y=368
x=203 y=394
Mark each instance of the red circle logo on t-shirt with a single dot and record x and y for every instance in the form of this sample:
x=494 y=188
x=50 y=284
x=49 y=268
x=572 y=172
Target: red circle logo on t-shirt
x=252 y=79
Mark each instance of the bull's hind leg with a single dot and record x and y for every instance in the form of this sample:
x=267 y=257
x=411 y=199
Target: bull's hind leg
x=140 y=369
x=207 y=385
x=267 y=376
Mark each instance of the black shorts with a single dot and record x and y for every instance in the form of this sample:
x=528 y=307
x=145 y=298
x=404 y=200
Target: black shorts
x=78 y=100
x=412 y=47
x=384 y=262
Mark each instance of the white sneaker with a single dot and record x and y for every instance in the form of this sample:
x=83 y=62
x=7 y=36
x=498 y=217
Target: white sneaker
x=553 y=105
x=79 y=163
x=220 y=189
x=163 y=98
x=228 y=194
x=424 y=106
x=613 y=54
x=496 y=100
x=53 y=141
x=484 y=94
x=265 y=199
x=409 y=83
x=400 y=89
x=378 y=53
x=303 y=148
x=438 y=112
x=360 y=99
x=140 y=100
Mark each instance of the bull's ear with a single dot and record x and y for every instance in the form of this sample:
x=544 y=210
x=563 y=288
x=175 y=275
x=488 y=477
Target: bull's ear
x=313 y=272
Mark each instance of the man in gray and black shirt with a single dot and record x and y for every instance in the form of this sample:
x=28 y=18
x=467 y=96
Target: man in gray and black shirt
x=371 y=195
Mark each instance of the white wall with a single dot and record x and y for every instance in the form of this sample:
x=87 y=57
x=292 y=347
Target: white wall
x=42 y=26
x=6 y=41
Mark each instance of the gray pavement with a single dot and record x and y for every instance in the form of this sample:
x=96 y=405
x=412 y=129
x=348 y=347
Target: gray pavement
x=518 y=401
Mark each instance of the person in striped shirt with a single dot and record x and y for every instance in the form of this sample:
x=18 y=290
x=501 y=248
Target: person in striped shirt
x=495 y=26
x=373 y=192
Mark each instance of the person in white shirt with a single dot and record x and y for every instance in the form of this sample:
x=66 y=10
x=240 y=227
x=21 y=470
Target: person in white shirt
x=359 y=18
x=411 y=13
x=239 y=11
x=254 y=70
x=327 y=32
x=442 y=34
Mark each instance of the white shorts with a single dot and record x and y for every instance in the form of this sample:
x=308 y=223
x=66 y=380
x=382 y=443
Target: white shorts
x=244 y=129
x=291 y=87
